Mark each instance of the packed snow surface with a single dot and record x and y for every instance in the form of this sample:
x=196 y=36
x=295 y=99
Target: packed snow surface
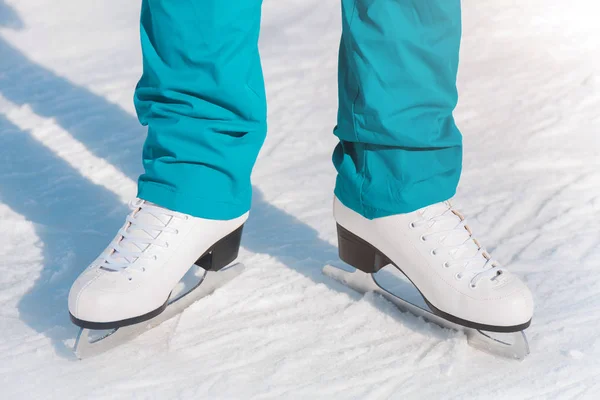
x=70 y=153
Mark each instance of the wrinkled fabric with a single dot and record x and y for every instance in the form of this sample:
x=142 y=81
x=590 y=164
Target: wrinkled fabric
x=202 y=96
x=399 y=147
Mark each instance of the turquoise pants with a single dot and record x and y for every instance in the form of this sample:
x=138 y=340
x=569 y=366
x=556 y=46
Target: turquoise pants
x=202 y=97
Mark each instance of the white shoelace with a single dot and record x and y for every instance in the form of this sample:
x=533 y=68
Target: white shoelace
x=450 y=228
x=142 y=229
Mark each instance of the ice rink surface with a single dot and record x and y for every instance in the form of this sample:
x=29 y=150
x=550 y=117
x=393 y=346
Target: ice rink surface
x=70 y=151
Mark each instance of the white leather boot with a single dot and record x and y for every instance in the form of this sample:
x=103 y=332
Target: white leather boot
x=132 y=279
x=436 y=250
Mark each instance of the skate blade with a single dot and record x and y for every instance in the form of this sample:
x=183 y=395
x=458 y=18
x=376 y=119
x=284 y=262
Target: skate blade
x=196 y=284
x=512 y=345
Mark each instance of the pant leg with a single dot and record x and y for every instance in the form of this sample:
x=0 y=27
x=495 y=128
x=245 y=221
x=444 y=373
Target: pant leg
x=399 y=148
x=202 y=97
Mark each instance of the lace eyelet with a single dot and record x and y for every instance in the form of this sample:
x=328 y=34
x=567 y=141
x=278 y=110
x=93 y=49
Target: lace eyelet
x=423 y=238
x=130 y=279
x=446 y=265
x=433 y=252
x=412 y=225
x=458 y=277
x=177 y=231
x=155 y=258
x=166 y=245
x=472 y=286
x=187 y=217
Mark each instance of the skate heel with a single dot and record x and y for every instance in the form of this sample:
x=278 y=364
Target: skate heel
x=222 y=253
x=359 y=253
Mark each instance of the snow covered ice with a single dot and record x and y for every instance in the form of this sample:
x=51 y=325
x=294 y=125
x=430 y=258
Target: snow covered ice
x=70 y=153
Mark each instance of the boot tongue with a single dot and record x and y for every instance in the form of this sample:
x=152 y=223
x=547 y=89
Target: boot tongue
x=143 y=219
x=435 y=210
x=451 y=221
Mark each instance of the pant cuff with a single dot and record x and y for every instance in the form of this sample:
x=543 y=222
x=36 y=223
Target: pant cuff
x=168 y=198
x=351 y=196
